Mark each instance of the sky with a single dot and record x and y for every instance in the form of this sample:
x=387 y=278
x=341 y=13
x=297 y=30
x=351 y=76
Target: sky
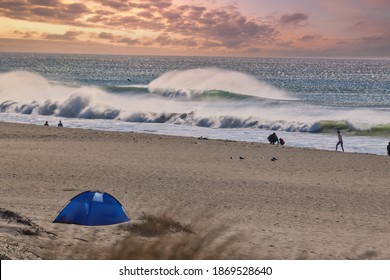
x=258 y=28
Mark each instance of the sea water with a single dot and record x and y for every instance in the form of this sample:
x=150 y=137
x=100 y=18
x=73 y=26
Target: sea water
x=305 y=101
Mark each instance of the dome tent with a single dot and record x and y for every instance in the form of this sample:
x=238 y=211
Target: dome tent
x=92 y=209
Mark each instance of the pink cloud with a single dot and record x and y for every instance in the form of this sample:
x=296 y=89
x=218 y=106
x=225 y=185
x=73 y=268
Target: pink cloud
x=294 y=19
x=310 y=37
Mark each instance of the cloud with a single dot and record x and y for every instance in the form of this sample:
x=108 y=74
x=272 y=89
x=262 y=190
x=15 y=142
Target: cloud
x=222 y=27
x=253 y=50
x=67 y=36
x=165 y=40
x=106 y=36
x=293 y=19
x=145 y=14
x=103 y=12
x=26 y=35
x=129 y=41
x=200 y=25
x=159 y=4
x=308 y=38
x=116 y=39
x=211 y=45
x=372 y=39
x=184 y=25
x=76 y=9
x=152 y=4
x=124 y=5
x=47 y=3
x=132 y=23
x=217 y=27
x=44 y=12
x=115 y=4
x=51 y=11
x=171 y=16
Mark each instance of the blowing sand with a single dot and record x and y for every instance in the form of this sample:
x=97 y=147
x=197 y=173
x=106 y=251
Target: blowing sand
x=307 y=204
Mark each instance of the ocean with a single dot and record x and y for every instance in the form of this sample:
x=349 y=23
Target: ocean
x=305 y=101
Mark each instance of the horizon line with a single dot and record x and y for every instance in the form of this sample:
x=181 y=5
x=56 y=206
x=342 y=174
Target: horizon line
x=203 y=55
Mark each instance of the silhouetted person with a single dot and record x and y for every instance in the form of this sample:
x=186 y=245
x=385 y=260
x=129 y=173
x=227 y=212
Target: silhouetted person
x=388 y=149
x=273 y=138
x=340 y=141
x=281 y=141
x=46 y=123
x=60 y=124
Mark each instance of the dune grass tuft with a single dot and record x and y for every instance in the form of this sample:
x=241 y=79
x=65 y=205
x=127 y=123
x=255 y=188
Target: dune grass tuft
x=151 y=225
x=163 y=238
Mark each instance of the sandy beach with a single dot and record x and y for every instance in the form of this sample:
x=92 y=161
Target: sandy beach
x=307 y=204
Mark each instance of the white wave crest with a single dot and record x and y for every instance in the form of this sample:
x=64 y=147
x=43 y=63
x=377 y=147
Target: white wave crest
x=197 y=81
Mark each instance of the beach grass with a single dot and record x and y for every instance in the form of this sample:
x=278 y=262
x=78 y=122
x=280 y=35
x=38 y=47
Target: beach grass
x=160 y=237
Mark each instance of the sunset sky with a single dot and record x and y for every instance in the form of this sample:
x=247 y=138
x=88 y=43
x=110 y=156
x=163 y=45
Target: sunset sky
x=277 y=28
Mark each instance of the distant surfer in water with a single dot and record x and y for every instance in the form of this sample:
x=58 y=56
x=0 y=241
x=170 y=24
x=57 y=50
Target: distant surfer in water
x=340 y=140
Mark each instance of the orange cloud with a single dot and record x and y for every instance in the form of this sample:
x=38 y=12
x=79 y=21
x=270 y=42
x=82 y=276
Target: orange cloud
x=67 y=36
x=181 y=25
x=43 y=11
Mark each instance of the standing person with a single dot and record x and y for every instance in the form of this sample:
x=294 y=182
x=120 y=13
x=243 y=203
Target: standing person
x=273 y=138
x=340 y=140
x=388 y=149
x=60 y=124
x=46 y=123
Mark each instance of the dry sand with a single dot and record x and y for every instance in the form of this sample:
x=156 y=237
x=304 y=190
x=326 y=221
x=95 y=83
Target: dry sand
x=308 y=204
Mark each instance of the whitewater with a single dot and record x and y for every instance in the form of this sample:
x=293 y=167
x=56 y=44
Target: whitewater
x=304 y=101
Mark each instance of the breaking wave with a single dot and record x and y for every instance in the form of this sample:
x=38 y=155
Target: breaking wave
x=212 y=82
x=201 y=97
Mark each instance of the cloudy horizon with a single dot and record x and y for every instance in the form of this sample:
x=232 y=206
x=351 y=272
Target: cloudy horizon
x=280 y=28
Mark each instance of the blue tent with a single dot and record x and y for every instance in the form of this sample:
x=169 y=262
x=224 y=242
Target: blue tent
x=92 y=209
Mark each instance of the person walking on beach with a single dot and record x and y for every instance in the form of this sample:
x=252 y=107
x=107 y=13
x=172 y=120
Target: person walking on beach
x=340 y=140
x=388 y=149
x=46 y=123
x=273 y=138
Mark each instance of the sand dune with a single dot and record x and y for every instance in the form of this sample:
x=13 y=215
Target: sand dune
x=307 y=204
